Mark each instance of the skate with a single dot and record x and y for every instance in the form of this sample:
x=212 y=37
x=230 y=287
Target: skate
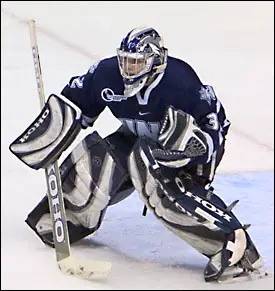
x=249 y=267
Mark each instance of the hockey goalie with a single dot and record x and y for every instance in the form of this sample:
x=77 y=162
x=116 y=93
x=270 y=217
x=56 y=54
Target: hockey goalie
x=168 y=147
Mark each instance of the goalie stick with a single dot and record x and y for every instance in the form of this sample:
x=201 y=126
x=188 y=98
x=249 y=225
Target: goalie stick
x=66 y=263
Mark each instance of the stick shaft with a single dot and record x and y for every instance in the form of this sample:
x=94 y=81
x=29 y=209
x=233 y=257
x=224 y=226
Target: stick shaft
x=67 y=264
x=53 y=178
x=36 y=62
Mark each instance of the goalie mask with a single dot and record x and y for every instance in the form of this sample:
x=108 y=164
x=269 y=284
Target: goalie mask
x=141 y=56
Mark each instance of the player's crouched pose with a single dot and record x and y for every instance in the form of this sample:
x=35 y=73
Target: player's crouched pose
x=168 y=147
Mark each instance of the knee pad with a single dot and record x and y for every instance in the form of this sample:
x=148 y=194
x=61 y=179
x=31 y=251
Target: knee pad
x=91 y=174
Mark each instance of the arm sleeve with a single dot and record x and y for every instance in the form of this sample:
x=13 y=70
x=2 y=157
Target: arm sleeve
x=81 y=91
x=210 y=116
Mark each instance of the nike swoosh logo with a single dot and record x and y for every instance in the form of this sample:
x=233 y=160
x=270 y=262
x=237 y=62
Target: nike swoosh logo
x=144 y=113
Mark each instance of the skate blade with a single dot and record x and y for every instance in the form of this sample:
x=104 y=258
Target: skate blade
x=242 y=276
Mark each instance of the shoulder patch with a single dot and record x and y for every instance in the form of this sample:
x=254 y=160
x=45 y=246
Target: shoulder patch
x=93 y=67
x=207 y=93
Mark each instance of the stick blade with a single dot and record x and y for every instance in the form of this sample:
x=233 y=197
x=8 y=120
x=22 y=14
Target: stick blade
x=89 y=270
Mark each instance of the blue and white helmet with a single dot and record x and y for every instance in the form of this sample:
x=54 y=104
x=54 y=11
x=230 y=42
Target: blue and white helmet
x=141 y=56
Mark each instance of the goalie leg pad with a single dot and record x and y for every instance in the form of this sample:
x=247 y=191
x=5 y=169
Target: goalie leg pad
x=93 y=177
x=196 y=215
x=182 y=207
x=39 y=220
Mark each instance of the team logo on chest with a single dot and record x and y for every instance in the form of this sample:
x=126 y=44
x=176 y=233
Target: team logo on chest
x=108 y=95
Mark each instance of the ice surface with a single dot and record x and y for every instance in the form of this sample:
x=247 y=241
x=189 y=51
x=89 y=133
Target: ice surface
x=229 y=44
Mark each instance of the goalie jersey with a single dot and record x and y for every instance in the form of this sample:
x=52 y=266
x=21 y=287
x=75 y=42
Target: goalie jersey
x=143 y=113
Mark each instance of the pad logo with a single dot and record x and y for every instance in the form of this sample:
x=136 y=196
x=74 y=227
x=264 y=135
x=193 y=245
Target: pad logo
x=53 y=188
x=35 y=126
x=96 y=161
x=203 y=202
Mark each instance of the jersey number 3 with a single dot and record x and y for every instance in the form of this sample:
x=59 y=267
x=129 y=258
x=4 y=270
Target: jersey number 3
x=213 y=121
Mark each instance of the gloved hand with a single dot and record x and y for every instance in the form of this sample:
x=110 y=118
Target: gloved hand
x=180 y=139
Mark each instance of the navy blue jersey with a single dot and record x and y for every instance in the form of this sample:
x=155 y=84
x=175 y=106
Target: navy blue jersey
x=143 y=113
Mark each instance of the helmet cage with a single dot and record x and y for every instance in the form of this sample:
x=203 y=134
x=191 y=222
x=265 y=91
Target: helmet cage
x=133 y=65
x=141 y=57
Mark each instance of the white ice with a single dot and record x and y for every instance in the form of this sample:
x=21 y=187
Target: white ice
x=229 y=44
